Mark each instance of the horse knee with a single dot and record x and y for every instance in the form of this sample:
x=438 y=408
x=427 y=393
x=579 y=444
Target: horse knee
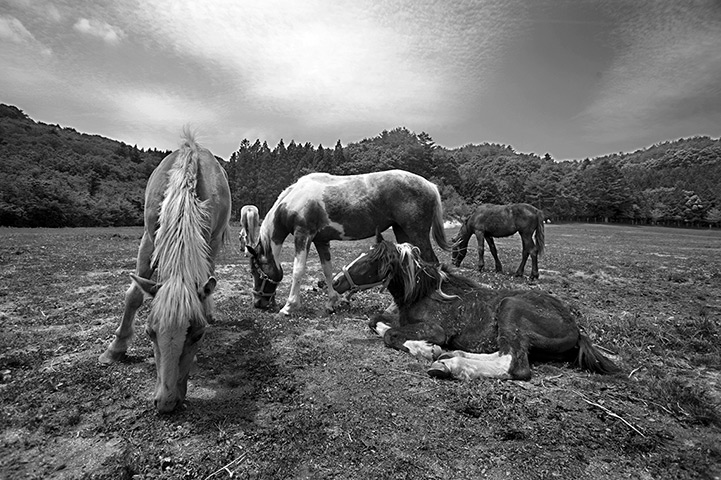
x=394 y=339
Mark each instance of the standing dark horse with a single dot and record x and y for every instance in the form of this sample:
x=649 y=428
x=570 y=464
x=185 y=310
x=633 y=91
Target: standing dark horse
x=494 y=332
x=187 y=209
x=320 y=207
x=497 y=221
x=249 y=227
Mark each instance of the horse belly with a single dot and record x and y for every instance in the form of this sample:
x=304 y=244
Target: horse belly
x=356 y=222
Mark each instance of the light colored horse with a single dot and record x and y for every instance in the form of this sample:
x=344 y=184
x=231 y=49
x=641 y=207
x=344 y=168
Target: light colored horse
x=249 y=227
x=321 y=207
x=187 y=209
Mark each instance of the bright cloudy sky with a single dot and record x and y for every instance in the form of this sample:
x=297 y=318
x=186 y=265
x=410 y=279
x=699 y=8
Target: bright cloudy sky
x=574 y=78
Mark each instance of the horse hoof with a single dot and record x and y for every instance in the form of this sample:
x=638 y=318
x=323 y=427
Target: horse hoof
x=445 y=356
x=440 y=370
x=437 y=351
x=109 y=357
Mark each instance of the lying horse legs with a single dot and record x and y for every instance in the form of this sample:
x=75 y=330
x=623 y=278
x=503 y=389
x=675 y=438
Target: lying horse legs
x=532 y=322
x=422 y=339
x=133 y=299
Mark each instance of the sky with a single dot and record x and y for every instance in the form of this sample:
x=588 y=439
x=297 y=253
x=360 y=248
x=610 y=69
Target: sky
x=575 y=79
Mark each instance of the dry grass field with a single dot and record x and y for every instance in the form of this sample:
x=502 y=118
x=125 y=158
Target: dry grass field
x=318 y=396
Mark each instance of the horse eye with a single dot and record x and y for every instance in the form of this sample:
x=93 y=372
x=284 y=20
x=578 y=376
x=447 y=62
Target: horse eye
x=195 y=335
x=150 y=333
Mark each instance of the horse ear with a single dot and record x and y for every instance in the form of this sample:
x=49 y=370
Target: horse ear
x=147 y=286
x=208 y=288
x=251 y=250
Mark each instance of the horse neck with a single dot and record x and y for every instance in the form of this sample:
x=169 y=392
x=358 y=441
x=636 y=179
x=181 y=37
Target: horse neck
x=408 y=291
x=463 y=236
x=271 y=248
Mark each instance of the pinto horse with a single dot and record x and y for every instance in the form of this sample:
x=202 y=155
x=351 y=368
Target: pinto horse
x=493 y=333
x=321 y=207
x=187 y=209
x=489 y=221
x=249 y=227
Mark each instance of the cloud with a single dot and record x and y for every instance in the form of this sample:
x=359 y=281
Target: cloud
x=99 y=29
x=666 y=58
x=13 y=30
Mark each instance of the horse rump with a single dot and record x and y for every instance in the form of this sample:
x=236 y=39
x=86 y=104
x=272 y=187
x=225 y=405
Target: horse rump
x=590 y=359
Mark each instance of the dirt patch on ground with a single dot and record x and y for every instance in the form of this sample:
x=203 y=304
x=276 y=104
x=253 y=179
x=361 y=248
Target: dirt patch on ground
x=319 y=396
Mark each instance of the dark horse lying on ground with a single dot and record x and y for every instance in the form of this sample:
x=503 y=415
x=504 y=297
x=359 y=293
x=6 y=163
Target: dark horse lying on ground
x=494 y=332
x=489 y=221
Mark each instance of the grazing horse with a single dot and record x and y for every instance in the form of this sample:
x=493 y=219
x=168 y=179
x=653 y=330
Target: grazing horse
x=493 y=332
x=489 y=221
x=187 y=209
x=249 y=227
x=320 y=207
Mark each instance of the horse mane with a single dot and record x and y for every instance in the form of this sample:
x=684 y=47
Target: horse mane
x=181 y=250
x=418 y=278
x=458 y=239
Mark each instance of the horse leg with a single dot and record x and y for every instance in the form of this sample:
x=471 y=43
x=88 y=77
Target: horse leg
x=481 y=250
x=529 y=248
x=494 y=252
x=515 y=328
x=420 y=339
x=323 y=249
x=419 y=239
x=469 y=366
x=534 y=261
x=302 y=245
x=133 y=299
x=243 y=239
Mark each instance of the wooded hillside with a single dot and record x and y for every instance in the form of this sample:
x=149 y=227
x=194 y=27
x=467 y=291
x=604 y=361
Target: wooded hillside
x=54 y=176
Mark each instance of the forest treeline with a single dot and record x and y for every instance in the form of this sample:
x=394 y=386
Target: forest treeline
x=53 y=176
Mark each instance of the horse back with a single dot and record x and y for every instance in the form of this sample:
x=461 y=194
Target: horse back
x=505 y=220
x=212 y=187
x=352 y=207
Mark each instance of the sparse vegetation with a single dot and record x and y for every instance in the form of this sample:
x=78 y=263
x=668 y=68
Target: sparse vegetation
x=317 y=396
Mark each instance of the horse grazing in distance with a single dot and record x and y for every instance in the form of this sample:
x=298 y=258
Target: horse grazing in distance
x=249 y=227
x=493 y=333
x=489 y=221
x=321 y=207
x=187 y=210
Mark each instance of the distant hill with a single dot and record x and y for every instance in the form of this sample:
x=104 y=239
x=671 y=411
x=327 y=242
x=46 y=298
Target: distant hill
x=54 y=176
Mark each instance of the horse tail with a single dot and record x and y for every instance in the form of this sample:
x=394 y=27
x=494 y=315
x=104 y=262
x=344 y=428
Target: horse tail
x=540 y=233
x=437 y=230
x=589 y=358
x=253 y=227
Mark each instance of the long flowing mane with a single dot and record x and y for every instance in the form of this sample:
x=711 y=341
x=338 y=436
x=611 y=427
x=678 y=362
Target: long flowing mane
x=181 y=251
x=416 y=278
